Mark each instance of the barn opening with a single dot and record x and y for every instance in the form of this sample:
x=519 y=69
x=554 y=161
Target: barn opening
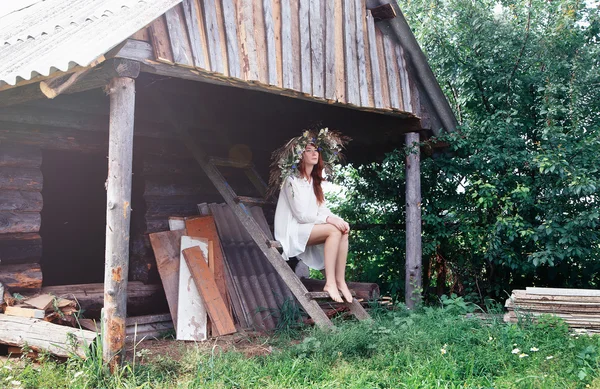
x=73 y=217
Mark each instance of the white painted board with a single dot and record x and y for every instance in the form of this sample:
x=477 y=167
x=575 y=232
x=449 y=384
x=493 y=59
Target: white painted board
x=191 y=314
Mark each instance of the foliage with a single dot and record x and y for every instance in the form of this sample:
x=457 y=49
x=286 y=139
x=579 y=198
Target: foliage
x=515 y=200
x=432 y=349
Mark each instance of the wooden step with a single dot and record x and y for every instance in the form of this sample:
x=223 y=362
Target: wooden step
x=322 y=295
x=226 y=162
x=251 y=201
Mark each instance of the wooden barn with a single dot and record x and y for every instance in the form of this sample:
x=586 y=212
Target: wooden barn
x=176 y=102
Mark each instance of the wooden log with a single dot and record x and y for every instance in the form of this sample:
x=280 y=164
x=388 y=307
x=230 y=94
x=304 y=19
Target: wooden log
x=167 y=248
x=20 y=201
x=19 y=222
x=118 y=217
x=214 y=304
x=22 y=278
x=141 y=298
x=16 y=155
x=364 y=290
x=20 y=248
x=414 y=278
x=21 y=178
x=40 y=335
x=55 y=86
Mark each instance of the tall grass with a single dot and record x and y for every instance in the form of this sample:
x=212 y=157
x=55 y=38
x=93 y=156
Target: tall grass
x=434 y=348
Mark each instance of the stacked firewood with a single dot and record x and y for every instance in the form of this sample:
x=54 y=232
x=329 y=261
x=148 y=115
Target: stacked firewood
x=44 y=306
x=580 y=308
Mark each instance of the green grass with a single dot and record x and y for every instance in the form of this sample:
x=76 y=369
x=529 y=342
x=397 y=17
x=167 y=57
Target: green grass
x=397 y=350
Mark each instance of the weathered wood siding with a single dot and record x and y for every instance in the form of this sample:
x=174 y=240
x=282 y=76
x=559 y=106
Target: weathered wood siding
x=326 y=49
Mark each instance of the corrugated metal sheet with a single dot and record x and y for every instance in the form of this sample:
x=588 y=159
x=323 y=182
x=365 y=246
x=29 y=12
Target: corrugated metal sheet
x=261 y=289
x=56 y=35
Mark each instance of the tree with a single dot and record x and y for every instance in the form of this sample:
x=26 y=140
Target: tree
x=515 y=200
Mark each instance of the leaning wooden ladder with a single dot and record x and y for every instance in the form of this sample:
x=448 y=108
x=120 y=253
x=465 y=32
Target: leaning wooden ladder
x=269 y=248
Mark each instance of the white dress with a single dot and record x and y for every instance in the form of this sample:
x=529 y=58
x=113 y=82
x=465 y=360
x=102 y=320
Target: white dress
x=296 y=214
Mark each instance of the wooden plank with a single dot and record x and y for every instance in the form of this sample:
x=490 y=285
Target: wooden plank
x=365 y=38
x=180 y=45
x=330 y=79
x=204 y=227
x=118 y=217
x=20 y=201
x=287 y=48
x=246 y=38
x=212 y=36
x=260 y=40
x=317 y=43
x=42 y=302
x=166 y=246
x=40 y=335
x=213 y=302
x=340 y=62
x=350 y=52
x=385 y=95
x=176 y=223
x=222 y=39
x=271 y=45
x=296 y=45
x=564 y=292
x=231 y=33
x=195 y=31
x=191 y=312
x=141 y=35
x=161 y=45
x=22 y=277
x=392 y=73
x=305 y=54
x=374 y=57
x=363 y=84
x=19 y=222
x=25 y=312
x=405 y=91
x=276 y=7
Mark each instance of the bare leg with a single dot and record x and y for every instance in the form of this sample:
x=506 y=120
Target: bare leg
x=340 y=268
x=331 y=236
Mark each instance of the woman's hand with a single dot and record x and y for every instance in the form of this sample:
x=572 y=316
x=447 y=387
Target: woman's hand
x=339 y=223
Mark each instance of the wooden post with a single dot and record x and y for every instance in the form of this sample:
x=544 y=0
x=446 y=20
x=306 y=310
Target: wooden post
x=118 y=211
x=413 y=287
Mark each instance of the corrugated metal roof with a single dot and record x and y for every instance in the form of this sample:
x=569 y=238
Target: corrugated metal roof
x=54 y=35
x=262 y=291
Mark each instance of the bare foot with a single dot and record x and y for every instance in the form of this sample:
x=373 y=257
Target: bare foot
x=333 y=293
x=345 y=291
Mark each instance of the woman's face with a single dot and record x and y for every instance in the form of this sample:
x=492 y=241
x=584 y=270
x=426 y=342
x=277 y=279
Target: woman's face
x=311 y=155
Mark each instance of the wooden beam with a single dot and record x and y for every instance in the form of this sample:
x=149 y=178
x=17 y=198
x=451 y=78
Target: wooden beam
x=118 y=217
x=85 y=79
x=383 y=12
x=414 y=277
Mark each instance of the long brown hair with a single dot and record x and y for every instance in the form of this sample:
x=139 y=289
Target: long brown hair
x=317 y=176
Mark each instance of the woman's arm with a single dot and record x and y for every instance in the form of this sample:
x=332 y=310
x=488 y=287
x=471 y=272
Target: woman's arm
x=294 y=199
x=324 y=215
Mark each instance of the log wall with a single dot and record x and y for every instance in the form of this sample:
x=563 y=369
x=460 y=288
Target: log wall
x=330 y=50
x=20 y=219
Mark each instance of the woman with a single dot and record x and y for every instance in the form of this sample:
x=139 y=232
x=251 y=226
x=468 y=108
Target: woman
x=303 y=224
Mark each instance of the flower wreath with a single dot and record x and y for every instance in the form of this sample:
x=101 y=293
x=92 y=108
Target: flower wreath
x=286 y=159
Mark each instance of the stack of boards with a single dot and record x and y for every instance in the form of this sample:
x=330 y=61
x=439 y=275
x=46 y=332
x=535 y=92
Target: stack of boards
x=191 y=266
x=580 y=308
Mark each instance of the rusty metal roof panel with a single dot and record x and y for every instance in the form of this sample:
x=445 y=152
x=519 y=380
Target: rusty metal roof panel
x=57 y=35
x=262 y=291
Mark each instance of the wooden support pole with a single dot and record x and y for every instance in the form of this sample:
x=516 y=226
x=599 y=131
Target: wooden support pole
x=414 y=279
x=118 y=212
